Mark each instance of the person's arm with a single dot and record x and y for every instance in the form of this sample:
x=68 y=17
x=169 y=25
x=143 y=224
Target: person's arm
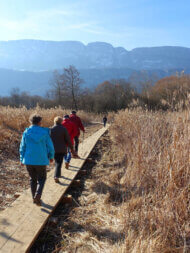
x=50 y=147
x=81 y=125
x=22 y=148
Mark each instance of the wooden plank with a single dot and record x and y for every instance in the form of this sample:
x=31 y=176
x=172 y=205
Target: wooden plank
x=21 y=223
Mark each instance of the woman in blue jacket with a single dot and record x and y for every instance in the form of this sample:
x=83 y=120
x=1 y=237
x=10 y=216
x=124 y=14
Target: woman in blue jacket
x=36 y=151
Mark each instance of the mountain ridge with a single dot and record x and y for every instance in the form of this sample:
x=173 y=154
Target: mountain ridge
x=29 y=64
x=40 y=55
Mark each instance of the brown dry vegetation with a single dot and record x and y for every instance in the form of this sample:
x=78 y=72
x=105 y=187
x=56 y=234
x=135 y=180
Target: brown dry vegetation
x=13 y=121
x=137 y=197
x=157 y=176
x=168 y=93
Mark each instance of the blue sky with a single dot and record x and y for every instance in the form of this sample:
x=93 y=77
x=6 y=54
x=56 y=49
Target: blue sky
x=127 y=23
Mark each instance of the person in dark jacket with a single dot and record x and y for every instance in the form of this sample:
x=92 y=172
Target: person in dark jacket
x=36 y=151
x=77 y=121
x=61 y=140
x=105 y=120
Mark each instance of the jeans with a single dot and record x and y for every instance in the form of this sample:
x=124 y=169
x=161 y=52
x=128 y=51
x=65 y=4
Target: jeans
x=67 y=157
x=37 y=175
x=76 y=138
x=58 y=164
x=105 y=123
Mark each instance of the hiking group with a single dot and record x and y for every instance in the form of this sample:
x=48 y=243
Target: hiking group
x=40 y=146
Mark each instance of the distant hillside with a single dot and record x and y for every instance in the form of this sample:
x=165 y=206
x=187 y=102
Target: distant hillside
x=39 y=82
x=29 y=64
x=36 y=55
x=33 y=82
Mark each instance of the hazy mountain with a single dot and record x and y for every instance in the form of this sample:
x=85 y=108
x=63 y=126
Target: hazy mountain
x=28 y=64
x=32 y=82
x=36 y=55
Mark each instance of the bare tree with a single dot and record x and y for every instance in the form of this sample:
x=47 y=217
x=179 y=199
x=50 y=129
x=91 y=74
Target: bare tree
x=66 y=86
x=15 y=96
x=72 y=81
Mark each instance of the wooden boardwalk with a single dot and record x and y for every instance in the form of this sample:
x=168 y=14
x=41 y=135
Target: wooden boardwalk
x=21 y=223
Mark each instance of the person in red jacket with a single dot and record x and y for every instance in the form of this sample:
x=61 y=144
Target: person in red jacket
x=77 y=121
x=72 y=130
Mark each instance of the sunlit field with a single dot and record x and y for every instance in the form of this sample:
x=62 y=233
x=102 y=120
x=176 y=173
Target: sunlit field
x=137 y=198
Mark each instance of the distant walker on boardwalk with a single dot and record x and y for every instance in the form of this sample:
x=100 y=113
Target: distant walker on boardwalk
x=105 y=120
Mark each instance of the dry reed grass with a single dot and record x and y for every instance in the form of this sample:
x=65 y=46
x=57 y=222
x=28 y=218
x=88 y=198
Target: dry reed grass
x=13 y=121
x=156 y=150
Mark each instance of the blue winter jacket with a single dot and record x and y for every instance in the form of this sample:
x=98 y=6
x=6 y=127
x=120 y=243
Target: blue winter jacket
x=36 y=147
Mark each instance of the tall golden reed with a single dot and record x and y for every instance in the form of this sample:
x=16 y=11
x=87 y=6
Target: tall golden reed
x=156 y=148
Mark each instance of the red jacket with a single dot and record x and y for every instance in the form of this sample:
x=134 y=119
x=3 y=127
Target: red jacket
x=77 y=121
x=71 y=128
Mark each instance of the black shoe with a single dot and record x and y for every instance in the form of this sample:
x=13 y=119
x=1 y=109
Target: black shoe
x=56 y=180
x=37 y=200
x=66 y=166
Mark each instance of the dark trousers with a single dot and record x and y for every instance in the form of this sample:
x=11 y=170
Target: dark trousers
x=58 y=164
x=105 y=123
x=37 y=175
x=76 y=143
